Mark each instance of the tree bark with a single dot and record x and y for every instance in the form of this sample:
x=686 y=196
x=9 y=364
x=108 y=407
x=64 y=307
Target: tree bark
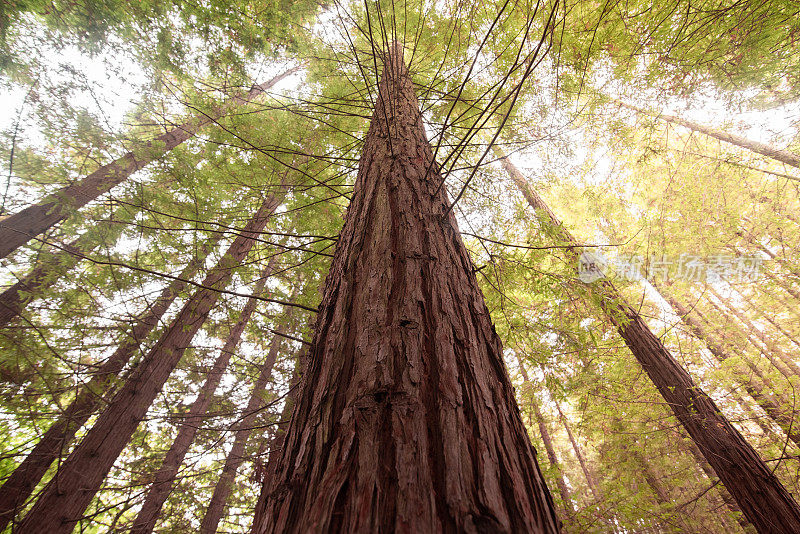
x=406 y=419
x=784 y=156
x=224 y=485
x=165 y=477
x=21 y=227
x=65 y=498
x=759 y=493
x=18 y=487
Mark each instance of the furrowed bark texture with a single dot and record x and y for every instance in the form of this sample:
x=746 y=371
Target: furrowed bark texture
x=21 y=227
x=406 y=420
x=165 y=477
x=18 y=487
x=784 y=156
x=758 y=492
x=65 y=498
x=224 y=485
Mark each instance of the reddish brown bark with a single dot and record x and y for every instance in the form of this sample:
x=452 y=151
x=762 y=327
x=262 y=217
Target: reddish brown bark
x=65 y=498
x=784 y=156
x=18 y=487
x=759 y=493
x=406 y=419
x=224 y=485
x=165 y=477
x=21 y=227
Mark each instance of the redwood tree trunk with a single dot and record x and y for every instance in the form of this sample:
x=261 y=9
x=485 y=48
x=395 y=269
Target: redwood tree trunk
x=165 y=477
x=235 y=458
x=21 y=227
x=406 y=419
x=759 y=493
x=17 y=488
x=65 y=498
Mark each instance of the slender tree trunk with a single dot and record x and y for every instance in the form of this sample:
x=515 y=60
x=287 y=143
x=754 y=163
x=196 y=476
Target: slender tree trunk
x=276 y=442
x=587 y=472
x=237 y=455
x=406 y=419
x=566 y=496
x=767 y=316
x=48 y=271
x=760 y=340
x=652 y=479
x=561 y=483
x=725 y=497
x=786 y=286
x=18 y=487
x=784 y=156
x=165 y=477
x=21 y=227
x=759 y=493
x=754 y=388
x=65 y=498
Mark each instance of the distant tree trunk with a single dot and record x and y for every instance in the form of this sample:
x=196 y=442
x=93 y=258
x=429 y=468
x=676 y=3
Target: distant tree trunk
x=649 y=475
x=165 y=477
x=764 y=343
x=561 y=483
x=21 y=227
x=406 y=419
x=48 y=271
x=566 y=496
x=759 y=493
x=587 y=472
x=766 y=315
x=725 y=497
x=263 y=472
x=754 y=388
x=784 y=156
x=237 y=455
x=57 y=510
x=18 y=487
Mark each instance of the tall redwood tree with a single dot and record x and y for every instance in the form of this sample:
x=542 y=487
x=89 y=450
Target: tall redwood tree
x=19 y=228
x=406 y=419
x=19 y=486
x=762 y=498
x=64 y=499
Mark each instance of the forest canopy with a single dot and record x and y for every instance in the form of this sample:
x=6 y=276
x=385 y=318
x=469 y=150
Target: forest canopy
x=195 y=198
